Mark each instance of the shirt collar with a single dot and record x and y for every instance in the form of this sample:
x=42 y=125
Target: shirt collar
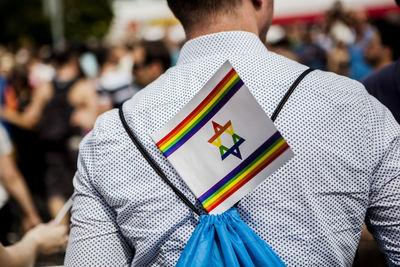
x=222 y=43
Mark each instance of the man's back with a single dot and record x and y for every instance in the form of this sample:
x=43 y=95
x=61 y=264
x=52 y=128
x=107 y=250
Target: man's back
x=347 y=159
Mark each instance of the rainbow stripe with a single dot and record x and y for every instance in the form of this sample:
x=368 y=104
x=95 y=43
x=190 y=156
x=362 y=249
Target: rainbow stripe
x=249 y=168
x=215 y=100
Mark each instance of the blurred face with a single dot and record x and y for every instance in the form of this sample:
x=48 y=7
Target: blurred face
x=143 y=71
x=374 y=51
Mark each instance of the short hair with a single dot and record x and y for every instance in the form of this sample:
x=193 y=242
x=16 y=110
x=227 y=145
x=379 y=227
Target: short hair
x=157 y=51
x=189 y=12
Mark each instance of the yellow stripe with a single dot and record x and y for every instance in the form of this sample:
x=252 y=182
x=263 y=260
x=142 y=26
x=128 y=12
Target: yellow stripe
x=201 y=113
x=216 y=197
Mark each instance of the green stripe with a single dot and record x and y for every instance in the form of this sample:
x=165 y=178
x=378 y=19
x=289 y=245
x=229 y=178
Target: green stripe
x=199 y=119
x=242 y=171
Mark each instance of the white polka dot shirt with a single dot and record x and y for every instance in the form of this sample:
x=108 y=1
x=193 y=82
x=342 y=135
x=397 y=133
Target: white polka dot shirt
x=346 y=167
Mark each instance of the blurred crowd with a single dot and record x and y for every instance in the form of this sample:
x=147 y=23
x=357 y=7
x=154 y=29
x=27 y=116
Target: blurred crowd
x=50 y=97
x=347 y=42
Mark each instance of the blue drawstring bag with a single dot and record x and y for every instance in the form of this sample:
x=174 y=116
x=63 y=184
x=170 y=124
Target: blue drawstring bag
x=225 y=240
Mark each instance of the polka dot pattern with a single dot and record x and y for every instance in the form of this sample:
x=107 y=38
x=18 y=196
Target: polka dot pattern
x=346 y=167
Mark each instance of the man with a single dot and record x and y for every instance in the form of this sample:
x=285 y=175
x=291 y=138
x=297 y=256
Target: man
x=384 y=83
x=346 y=165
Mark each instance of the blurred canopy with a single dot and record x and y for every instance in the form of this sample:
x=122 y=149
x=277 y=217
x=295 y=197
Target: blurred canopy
x=85 y=19
x=23 y=19
x=26 y=20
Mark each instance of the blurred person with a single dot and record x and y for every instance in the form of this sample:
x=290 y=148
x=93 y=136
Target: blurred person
x=174 y=39
x=114 y=84
x=89 y=64
x=7 y=63
x=21 y=98
x=70 y=111
x=364 y=32
x=126 y=58
x=346 y=35
x=384 y=47
x=338 y=60
x=2 y=75
x=282 y=47
x=40 y=72
x=311 y=212
x=384 y=84
x=85 y=102
x=152 y=59
x=12 y=184
x=338 y=23
x=29 y=117
x=75 y=92
x=44 y=239
x=60 y=111
x=336 y=13
x=295 y=33
x=310 y=53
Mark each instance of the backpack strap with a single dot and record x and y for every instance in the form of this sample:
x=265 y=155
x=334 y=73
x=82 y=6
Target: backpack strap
x=159 y=171
x=153 y=164
x=289 y=92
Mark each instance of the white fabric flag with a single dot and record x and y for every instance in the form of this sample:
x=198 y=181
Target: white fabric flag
x=222 y=143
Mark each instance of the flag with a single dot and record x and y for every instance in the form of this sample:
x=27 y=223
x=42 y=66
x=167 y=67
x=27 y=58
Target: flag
x=222 y=143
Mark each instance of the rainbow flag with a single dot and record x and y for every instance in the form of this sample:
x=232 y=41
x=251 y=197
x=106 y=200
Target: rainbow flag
x=222 y=143
x=218 y=97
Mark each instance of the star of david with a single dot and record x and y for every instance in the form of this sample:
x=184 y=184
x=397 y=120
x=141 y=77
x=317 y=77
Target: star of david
x=216 y=140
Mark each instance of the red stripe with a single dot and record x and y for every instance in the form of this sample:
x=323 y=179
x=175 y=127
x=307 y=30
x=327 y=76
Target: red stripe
x=376 y=12
x=253 y=173
x=198 y=108
x=372 y=11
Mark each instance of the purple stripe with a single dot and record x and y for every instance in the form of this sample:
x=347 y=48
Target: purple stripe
x=241 y=166
x=206 y=118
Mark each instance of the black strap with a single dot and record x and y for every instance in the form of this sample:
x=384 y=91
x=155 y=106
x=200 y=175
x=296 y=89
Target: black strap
x=158 y=170
x=153 y=164
x=289 y=92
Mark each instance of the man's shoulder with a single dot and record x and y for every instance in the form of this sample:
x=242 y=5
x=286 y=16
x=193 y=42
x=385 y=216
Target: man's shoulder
x=106 y=129
x=280 y=72
x=339 y=83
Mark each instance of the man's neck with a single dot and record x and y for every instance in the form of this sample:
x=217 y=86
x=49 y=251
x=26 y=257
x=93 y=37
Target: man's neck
x=223 y=24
